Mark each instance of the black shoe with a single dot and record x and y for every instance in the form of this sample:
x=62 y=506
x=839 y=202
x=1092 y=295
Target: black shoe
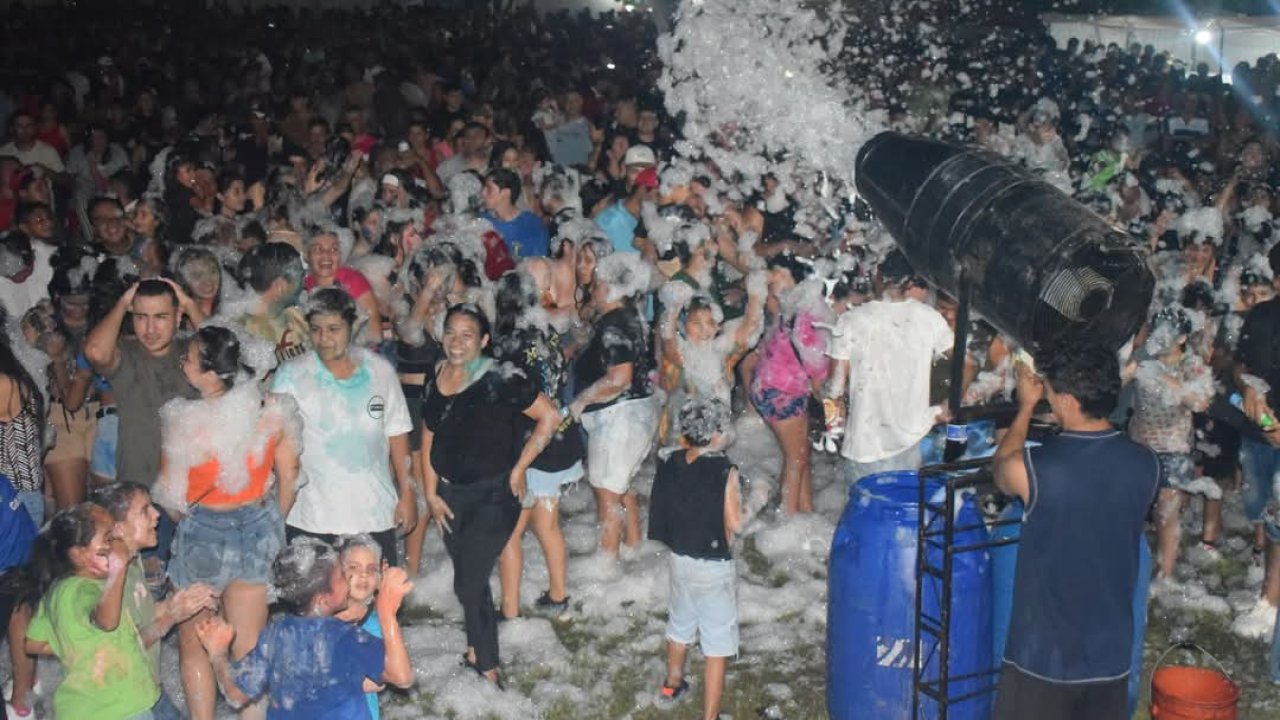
x=553 y=608
x=668 y=695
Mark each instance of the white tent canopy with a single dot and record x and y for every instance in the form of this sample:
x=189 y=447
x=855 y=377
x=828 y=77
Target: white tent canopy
x=1222 y=42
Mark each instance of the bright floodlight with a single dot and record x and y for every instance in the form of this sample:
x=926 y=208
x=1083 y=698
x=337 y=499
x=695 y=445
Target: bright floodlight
x=1203 y=37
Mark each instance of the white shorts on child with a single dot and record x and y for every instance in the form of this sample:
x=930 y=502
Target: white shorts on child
x=703 y=603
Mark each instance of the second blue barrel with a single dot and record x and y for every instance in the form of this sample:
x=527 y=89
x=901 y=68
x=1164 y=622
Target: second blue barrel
x=871 y=605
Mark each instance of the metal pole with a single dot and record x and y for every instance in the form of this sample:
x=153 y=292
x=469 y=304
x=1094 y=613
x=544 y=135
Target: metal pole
x=944 y=642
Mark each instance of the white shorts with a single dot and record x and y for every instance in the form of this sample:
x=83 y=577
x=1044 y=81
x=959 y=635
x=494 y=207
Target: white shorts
x=703 y=604
x=619 y=438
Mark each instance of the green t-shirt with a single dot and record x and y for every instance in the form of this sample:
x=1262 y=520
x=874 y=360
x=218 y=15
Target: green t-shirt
x=141 y=607
x=106 y=675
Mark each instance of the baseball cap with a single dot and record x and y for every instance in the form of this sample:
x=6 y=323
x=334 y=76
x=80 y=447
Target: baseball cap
x=648 y=178
x=639 y=155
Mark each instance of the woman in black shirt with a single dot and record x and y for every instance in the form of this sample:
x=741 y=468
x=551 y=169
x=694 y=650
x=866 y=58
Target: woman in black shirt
x=617 y=408
x=525 y=336
x=474 y=458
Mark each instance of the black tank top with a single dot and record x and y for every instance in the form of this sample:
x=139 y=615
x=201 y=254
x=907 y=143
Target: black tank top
x=686 y=509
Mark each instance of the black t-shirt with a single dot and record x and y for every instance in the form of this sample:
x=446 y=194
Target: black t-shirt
x=619 y=337
x=537 y=352
x=478 y=434
x=1259 y=347
x=686 y=506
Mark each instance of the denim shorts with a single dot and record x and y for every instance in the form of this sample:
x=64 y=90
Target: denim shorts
x=216 y=548
x=703 y=602
x=102 y=461
x=543 y=485
x=1259 y=464
x=776 y=406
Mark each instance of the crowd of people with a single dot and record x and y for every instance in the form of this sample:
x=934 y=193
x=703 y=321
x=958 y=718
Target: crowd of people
x=277 y=303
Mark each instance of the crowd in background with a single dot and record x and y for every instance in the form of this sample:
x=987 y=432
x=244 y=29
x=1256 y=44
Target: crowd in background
x=300 y=279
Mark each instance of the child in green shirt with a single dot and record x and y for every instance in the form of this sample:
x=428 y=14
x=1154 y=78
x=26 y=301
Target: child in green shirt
x=81 y=620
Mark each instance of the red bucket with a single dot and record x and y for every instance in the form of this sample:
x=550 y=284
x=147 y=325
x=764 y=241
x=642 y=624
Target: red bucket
x=1193 y=693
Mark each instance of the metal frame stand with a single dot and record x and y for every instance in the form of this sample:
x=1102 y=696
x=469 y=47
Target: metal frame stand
x=936 y=551
x=936 y=548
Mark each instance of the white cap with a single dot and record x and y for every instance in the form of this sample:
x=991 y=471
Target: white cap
x=639 y=155
x=391 y=179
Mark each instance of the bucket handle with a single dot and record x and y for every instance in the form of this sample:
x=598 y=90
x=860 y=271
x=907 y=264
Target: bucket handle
x=1184 y=644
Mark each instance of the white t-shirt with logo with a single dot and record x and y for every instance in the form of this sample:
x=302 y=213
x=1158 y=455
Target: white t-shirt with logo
x=890 y=347
x=346 y=484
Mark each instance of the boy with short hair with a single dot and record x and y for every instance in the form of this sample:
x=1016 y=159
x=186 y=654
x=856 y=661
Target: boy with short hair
x=695 y=510
x=310 y=664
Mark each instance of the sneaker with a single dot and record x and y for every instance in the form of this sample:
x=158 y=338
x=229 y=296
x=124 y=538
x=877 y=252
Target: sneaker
x=1203 y=554
x=36 y=689
x=12 y=712
x=1256 y=623
x=553 y=608
x=668 y=695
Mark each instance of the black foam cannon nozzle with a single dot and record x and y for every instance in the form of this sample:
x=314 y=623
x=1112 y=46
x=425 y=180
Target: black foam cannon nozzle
x=1042 y=268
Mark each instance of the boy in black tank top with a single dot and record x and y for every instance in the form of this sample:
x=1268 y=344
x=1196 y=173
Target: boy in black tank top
x=695 y=509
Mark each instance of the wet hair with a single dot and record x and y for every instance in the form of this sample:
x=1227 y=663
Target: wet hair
x=254 y=229
x=116 y=497
x=591 y=193
x=515 y=293
x=71 y=528
x=266 y=263
x=17 y=244
x=302 y=571
x=786 y=261
x=849 y=284
x=505 y=179
x=895 y=268
x=332 y=301
x=229 y=176
x=219 y=352
x=1199 y=295
x=70 y=276
x=701 y=418
x=1088 y=372
x=156 y=288
x=474 y=312
x=347 y=543
x=499 y=149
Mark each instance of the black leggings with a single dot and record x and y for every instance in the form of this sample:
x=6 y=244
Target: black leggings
x=484 y=516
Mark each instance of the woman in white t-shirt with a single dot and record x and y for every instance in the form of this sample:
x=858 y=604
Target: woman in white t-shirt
x=355 y=475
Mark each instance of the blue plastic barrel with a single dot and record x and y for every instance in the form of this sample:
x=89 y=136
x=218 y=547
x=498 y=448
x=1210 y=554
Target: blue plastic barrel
x=871 y=606
x=1004 y=561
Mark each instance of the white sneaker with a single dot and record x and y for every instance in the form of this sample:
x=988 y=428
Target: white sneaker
x=7 y=688
x=1256 y=623
x=13 y=714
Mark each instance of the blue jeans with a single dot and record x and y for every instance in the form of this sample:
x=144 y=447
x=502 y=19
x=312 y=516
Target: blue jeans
x=1259 y=463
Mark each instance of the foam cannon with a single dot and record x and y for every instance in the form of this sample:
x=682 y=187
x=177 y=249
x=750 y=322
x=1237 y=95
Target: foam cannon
x=1039 y=266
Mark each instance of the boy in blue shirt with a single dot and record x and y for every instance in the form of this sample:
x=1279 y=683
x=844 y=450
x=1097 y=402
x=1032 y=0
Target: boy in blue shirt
x=521 y=230
x=310 y=664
